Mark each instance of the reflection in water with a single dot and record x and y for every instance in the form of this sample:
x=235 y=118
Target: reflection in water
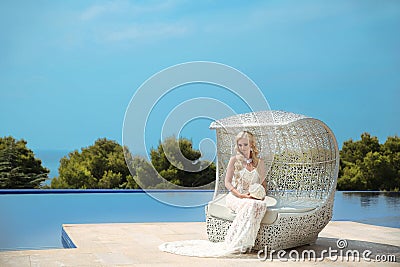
x=392 y=199
x=378 y=208
x=365 y=198
x=369 y=199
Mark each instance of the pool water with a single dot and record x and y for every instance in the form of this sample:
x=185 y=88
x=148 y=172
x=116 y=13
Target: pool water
x=376 y=208
x=33 y=221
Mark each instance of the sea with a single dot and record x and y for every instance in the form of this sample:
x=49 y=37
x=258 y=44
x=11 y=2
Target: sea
x=51 y=160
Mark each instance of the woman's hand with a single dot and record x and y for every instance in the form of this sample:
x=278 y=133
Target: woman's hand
x=245 y=195
x=248 y=196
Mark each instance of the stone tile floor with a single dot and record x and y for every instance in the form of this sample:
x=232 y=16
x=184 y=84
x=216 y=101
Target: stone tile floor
x=136 y=244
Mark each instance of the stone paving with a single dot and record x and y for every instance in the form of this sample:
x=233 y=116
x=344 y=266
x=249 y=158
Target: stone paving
x=136 y=244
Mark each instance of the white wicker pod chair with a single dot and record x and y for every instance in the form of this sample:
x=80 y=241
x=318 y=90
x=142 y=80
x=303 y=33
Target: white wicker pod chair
x=302 y=160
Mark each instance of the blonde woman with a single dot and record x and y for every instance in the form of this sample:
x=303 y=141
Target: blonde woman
x=245 y=172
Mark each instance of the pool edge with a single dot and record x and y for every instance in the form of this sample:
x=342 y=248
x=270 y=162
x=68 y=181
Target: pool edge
x=66 y=240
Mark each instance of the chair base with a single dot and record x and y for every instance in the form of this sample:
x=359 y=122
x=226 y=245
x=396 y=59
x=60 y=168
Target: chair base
x=287 y=232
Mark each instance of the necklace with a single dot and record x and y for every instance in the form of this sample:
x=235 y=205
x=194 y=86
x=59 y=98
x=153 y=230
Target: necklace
x=248 y=161
x=249 y=164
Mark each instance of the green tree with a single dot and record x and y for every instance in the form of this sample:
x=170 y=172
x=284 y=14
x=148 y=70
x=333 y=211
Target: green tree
x=368 y=165
x=110 y=180
x=351 y=179
x=19 y=168
x=391 y=149
x=142 y=173
x=101 y=165
x=356 y=151
x=177 y=162
x=377 y=171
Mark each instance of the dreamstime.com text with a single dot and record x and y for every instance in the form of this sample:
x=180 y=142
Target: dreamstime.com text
x=338 y=254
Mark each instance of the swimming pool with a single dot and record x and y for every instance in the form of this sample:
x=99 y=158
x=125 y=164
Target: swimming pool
x=33 y=220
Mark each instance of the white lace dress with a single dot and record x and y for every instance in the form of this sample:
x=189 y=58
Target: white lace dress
x=241 y=234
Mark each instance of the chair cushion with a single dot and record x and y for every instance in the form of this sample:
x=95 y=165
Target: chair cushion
x=296 y=204
x=217 y=208
x=292 y=209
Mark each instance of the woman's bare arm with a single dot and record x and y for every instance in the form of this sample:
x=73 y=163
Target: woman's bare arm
x=262 y=172
x=228 y=179
x=229 y=174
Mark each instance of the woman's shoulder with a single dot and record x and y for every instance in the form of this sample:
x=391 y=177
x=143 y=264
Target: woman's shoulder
x=232 y=159
x=260 y=162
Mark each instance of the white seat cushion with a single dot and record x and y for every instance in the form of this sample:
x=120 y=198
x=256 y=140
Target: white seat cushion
x=217 y=208
x=296 y=204
x=292 y=209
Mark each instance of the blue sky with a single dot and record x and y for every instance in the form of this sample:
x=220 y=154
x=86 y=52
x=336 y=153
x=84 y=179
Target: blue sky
x=68 y=69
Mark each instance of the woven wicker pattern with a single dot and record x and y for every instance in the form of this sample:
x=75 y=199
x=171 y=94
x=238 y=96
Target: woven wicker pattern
x=302 y=159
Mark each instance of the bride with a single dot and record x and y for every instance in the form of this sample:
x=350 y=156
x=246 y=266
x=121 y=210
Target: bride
x=244 y=173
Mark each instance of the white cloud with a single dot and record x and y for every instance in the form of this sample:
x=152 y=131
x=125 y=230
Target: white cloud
x=123 y=8
x=122 y=20
x=93 y=12
x=269 y=14
x=145 y=32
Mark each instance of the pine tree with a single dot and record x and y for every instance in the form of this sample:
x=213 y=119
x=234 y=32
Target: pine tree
x=18 y=166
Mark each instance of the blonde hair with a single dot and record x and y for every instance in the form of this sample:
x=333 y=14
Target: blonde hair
x=253 y=152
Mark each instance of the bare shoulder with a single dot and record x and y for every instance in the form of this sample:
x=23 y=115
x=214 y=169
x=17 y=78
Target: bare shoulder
x=231 y=163
x=260 y=163
x=232 y=160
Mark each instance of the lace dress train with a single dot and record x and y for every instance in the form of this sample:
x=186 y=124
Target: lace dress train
x=240 y=236
x=243 y=231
